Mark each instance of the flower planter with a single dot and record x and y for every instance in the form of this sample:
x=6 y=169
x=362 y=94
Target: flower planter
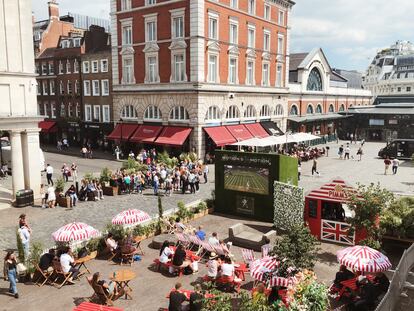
x=63 y=201
x=111 y=191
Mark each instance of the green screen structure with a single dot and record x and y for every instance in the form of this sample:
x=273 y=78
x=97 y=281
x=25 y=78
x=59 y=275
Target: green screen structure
x=245 y=182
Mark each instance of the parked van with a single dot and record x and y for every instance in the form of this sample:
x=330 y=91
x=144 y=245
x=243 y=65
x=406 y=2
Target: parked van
x=398 y=148
x=6 y=155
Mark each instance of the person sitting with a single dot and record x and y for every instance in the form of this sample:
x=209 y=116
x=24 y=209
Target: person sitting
x=90 y=188
x=111 y=243
x=213 y=240
x=46 y=261
x=176 y=299
x=227 y=271
x=200 y=233
x=180 y=258
x=99 y=189
x=196 y=299
x=68 y=264
x=179 y=225
x=82 y=191
x=127 y=246
x=381 y=283
x=166 y=252
x=225 y=248
x=110 y=288
x=71 y=193
x=342 y=275
x=212 y=266
x=367 y=295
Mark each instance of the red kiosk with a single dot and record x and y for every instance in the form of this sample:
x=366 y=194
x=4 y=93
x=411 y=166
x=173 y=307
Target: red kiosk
x=326 y=212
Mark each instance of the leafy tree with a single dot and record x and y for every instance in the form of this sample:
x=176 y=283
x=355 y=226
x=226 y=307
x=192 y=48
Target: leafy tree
x=298 y=246
x=398 y=218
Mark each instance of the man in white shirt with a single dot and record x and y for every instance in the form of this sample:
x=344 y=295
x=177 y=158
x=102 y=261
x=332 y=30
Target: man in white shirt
x=49 y=173
x=213 y=240
x=395 y=164
x=25 y=237
x=67 y=262
x=111 y=243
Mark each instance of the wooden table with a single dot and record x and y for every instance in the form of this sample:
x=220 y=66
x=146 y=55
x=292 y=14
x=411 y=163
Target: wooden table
x=122 y=278
x=82 y=263
x=138 y=240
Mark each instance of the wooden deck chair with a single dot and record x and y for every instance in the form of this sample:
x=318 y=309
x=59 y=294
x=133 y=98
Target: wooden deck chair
x=218 y=249
x=111 y=253
x=127 y=258
x=169 y=228
x=100 y=294
x=137 y=245
x=44 y=276
x=205 y=249
x=248 y=255
x=59 y=273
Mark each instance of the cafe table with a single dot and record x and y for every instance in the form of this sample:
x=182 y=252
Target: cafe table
x=122 y=278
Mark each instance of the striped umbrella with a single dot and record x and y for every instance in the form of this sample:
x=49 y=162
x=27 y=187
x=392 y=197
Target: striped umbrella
x=260 y=267
x=363 y=259
x=75 y=231
x=130 y=217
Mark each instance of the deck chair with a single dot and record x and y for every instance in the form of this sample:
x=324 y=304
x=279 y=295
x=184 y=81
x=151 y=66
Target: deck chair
x=265 y=250
x=169 y=228
x=248 y=255
x=100 y=294
x=205 y=248
x=59 y=273
x=137 y=245
x=44 y=276
x=111 y=253
x=127 y=258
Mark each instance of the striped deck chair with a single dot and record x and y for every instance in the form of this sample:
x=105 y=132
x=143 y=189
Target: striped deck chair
x=248 y=255
x=194 y=241
x=219 y=250
x=265 y=250
x=182 y=239
x=206 y=248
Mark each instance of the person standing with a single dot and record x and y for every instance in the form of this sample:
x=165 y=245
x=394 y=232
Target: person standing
x=176 y=299
x=74 y=171
x=65 y=172
x=25 y=238
x=341 y=151
x=395 y=165
x=156 y=183
x=315 y=166
x=49 y=174
x=117 y=152
x=10 y=267
x=387 y=163
x=205 y=173
x=196 y=299
x=359 y=153
x=347 y=152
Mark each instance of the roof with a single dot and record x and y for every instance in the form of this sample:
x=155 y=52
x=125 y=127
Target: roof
x=295 y=60
x=315 y=117
x=354 y=77
x=48 y=53
x=335 y=76
x=337 y=191
x=384 y=109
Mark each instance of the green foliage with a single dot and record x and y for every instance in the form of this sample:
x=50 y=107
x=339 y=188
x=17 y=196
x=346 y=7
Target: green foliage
x=368 y=203
x=398 y=218
x=138 y=230
x=182 y=212
x=96 y=244
x=106 y=175
x=60 y=185
x=117 y=231
x=164 y=159
x=370 y=242
x=88 y=176
x=259 y=303
x=298 y=246
x=220 y=301
x=131 y=166
x=36 y=250
x=202 y=206
x=20 y=248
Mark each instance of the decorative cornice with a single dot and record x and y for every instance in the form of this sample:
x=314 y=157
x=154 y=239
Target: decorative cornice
x=127 y=50
x=233 y=50
x=151 y=47
x=177 y=45
x=213 y=46
x=251 y=53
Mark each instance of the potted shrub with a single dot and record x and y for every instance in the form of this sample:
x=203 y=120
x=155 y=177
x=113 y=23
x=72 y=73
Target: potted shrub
x=108 y=187
x=61 y=199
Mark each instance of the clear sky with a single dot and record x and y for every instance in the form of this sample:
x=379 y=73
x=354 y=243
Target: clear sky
x=349 y=31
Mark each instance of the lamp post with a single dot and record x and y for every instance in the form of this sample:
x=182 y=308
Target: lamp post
x=286 y=145
x=122 y=125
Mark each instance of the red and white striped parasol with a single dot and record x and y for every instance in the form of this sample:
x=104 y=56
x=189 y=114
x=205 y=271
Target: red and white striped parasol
x=281 y=281
x=363 y=259
x=75 y=231
x=130 y=217
x=261 y=266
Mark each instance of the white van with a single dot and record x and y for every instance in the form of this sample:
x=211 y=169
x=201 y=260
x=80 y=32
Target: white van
x=6 y=155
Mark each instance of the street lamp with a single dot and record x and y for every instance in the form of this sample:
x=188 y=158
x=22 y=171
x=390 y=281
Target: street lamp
x=122 y=125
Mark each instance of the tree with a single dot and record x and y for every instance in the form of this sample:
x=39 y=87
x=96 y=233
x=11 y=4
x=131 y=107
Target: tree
x=298 y=246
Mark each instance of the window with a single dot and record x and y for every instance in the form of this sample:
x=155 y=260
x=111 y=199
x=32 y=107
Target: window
x=127 y=35
x=294 y=110
x=77 y=87
x=280 y=45
x=52 y=87
x=51 y=69
x=150 y=2
x=266 y=13
x=85 y=67
x=95 y=66
x=281 y=18
x=212 y=28
x=179 y=113
x=152 y=113
x=60 y=67
x=127 y=71
x=212 y=68
x=69 y=87
x=266 y=41
x=75 y=66
x=342 y=108
x=152 y=69
x=128 y=112
x=68 y=66
x=61 y=88
x=88 y=113
x=213 y=113
x=40 y=110
x=77 y=110
x=106 y=113
x=125 y=5
x=178 y=27
x=314 y=80
x=265 y=111
x=87 y=88
x=309 y=110
x=313 y=209
x=77 y=42
x=151 y=31
x=37 y=68
x=279 y=110
x=44 y=69
x=250 y=112
x=234 y=4
x=399 y=89
x=265 y=74
x=44 y=87
x=62 y=110
x=104 y=65
x=233 y=112
x=318 y=109
x=70 y=110
x=251 y=7
x=233 y=70
x=47 y=109
x=39 y=88
x=408 y=89
x=179 y=68
x=331 y=108
x=233 y=33
x=250 y=72
x=279 y=75
x=250 y=37
x=105 y=87
x=95 y=87
x=97 y=113
x=53 y=110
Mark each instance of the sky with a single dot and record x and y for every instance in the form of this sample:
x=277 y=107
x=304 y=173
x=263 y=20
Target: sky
x=349 y=31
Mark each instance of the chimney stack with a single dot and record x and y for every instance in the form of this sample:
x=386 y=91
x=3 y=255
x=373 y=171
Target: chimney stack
x=53 y=9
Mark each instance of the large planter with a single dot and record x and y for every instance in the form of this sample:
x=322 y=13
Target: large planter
x=63 y=201
x=111 y=191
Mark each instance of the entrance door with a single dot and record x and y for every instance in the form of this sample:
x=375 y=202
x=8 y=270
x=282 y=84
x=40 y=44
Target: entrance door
x=313 y=217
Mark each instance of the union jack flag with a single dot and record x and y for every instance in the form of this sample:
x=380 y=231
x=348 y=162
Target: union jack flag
x=334 y=231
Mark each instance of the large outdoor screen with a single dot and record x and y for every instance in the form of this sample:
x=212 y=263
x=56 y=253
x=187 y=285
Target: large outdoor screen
x=246 y=179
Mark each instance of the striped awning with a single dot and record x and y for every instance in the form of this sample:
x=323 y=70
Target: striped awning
x=336 y=191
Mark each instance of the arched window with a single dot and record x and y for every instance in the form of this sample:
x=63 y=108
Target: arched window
x=250 y=112
x=233 y=112
x=331 y=108
x=314 y=80
x=265 y=111
x=213 y=113
x=279 y=110
x=152 y=113
x=294 y=110
x=128 y=112
x=179 y=113
x=309 y=110
x=318 y=109
x=342 y=108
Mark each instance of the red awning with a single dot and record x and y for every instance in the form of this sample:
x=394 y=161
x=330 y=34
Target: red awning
x=257 y=130
x=88 y=306
x=48 y=126
x=146 y=134
x=220 y=135
x=173 y=135
x=240 y=132
x=124 y=129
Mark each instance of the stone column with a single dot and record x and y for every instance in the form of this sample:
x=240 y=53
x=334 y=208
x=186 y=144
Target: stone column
x=31 y=161
x=17 y=162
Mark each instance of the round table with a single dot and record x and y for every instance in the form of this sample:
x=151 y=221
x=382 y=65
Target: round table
x=122 y=278
x=158 y=240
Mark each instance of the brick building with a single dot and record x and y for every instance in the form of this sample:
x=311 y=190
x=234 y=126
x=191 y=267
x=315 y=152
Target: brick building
x=189 y=74
x=319 y=95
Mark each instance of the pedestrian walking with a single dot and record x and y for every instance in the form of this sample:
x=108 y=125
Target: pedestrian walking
x=65 y=172
x=43 y=195
x=49 y=174
x=205 y=173
x=387 y=163
x=155 y=181
x=359 y=153
x=341 y=151
x=74 y=172
x=395 y=165
x=117 y=152
x=327 y=151
x=24 y=235
x=59 y=145
x=10 y=268
x=315 y=166
x=347 y=152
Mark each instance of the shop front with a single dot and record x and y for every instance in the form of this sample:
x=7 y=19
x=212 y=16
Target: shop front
x=48 y=132
x=316 y=124
x=95 y=134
